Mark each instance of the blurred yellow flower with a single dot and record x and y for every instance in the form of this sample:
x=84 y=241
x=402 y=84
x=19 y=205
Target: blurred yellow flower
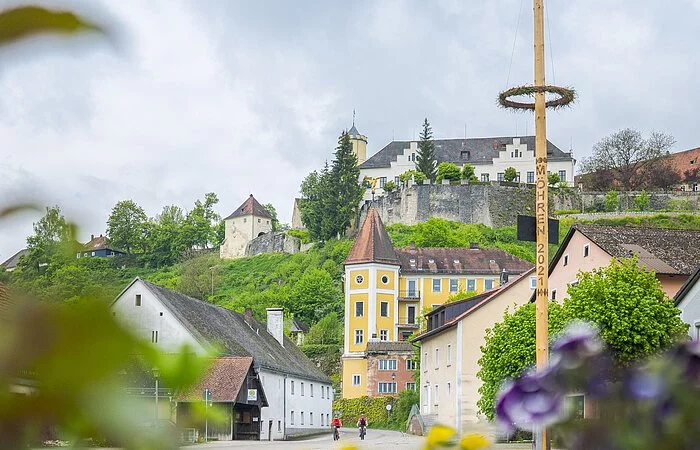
x=349 y=447
x=474 y=441
x=439 y=436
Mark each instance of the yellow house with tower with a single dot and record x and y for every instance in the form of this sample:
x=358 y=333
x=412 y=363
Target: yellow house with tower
x=386 y=292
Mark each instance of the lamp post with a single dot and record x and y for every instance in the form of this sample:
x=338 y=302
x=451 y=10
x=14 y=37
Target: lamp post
x=156 y=374
x=211 y=271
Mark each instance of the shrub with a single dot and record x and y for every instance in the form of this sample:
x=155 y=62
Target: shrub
x=553 y=179
x=418 y=177
x=390 y=186
x=612 y=201
x=679 y=205
x=374 y=408
x=510 y=174
x=561 y=212
x=641 y=202
x=469 y=174
x=448 y=171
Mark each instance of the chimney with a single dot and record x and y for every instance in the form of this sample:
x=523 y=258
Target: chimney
x=92 y=236
x=474 y=245
x=248 y=316
x=412 y=248
x=275 y=324
x=504 y=276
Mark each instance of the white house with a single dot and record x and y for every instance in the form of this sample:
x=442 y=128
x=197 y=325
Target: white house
x=490 y=157
x=298 y=395
x=687 y=299
x=247 y=222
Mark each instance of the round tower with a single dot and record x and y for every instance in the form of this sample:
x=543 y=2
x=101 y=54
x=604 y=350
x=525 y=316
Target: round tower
x=359 y=143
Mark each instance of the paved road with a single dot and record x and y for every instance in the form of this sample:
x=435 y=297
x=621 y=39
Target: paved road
x=375 y=439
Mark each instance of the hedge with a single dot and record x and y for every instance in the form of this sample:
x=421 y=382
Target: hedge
x=349 y=409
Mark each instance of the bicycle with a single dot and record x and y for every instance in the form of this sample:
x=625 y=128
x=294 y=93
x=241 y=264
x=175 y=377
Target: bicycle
x=363 y=431
x=336 y=433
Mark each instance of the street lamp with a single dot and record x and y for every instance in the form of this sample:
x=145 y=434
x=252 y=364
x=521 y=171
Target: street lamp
x=156 y=374
x=211 y=271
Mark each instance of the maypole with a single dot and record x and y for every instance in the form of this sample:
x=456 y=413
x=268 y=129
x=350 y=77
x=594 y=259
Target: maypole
x=565 y=96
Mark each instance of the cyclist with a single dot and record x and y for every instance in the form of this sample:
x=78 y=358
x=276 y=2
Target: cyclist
x=336 y=423
x=362 y=425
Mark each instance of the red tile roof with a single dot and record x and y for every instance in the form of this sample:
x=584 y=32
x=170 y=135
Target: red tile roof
x=683 y=161
x=250 y=207
x=225 y=379
x=372 y=244
x=459 y=260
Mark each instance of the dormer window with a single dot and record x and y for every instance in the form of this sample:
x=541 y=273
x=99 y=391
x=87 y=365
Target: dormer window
x=465 y=154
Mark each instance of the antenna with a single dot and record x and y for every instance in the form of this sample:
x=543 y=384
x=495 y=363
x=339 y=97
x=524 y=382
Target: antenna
x=353 y=117
x=465 y=130
x=393 y=138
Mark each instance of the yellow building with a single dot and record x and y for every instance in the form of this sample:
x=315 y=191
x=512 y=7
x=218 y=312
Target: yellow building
x=387 y=290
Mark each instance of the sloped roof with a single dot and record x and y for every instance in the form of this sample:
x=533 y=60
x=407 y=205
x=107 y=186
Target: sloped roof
x=225 y=378
x=214 y=325
x=663 y=250
x=13 y=260
x=481 y=150
x=372 y=244
x=681 y=161
x=388 y=346
x=459 y=260
x=299 y=326
x=353 y=131
x=250 y=206
x=99 y=243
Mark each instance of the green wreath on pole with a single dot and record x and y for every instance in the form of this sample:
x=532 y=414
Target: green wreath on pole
x=565 y=97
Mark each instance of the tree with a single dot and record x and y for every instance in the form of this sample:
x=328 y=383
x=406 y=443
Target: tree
x=390 y=186
x=510 y=174
x=692 y=175
x=509 y=350
x=448 y=171
x=166 y=237
x=310 y=204
x=273 y=212
x=52 y=237
x=612 y=201
x=418 y=177
x=635 y=317
x=200 y=223
x=553 y=179
x=345 y=191
x=425 y=158
x=625 y=153
x=641 y=202
x=127 y=226
x=468 y=173
x=326 y=331
x=314 y=296
x=659 y=175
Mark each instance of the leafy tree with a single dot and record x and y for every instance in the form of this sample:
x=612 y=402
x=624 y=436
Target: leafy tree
x=448 y=171
x=625 y=153
x=311 y=203
x=692 y=175
x=344 y=190
x=612 y=201
x=425 y=158
x=509 y=350
x=200 y=224
x=52 y=238
x=659 y=175
x=328 y=330
x=641 y=202
x=127 y=226
x=435 y=233
x=269 y=207
x=418 y=177
x=166 y=237
x=390 y=186
x=200 y=277
x=553 y=179
x=510 y=174
x=635 y=317
x=468 y=173
x=314 y=296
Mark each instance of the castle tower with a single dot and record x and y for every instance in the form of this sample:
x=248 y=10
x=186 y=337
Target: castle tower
x=247 y=222
x=359 y=143
x=371 y=289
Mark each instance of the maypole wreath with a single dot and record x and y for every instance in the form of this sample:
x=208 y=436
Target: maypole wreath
x=565 y=97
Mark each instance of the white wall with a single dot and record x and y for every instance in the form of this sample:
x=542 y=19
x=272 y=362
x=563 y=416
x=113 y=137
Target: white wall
x=241 y=230
x=153 y=316
x=690 y=310
x=280 y=414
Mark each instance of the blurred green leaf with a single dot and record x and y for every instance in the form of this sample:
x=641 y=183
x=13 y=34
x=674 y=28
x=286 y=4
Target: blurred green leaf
x=14 y=209
x=25 y=21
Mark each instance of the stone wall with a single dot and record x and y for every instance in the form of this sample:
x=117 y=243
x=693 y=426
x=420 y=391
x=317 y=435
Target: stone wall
x=658 y=201
x=493 y=204
x=274 y=242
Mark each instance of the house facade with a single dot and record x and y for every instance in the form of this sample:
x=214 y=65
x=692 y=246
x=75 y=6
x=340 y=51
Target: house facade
x=387 y=290
x=687 y=299
x=299 y=397
x=247 y=222
x=451 y=348
x=490 y=157
x=667 y=252
x=99 y=247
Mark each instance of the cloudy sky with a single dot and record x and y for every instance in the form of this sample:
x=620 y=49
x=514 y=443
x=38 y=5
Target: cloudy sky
x=240 y=97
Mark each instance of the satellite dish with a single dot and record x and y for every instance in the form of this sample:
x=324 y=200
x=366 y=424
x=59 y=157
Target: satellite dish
x=388 y=407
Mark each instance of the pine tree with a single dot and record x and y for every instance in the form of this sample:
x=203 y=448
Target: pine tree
x=425 y=158
x=346 y=189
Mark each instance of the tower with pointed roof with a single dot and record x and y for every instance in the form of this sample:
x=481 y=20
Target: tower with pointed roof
x=358 y=141
x=247 y=222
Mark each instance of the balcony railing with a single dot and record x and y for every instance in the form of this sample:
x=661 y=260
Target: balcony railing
x=405 y=321
x=411 y=294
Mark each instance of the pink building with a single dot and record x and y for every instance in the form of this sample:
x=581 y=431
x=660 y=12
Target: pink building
x=672 y=254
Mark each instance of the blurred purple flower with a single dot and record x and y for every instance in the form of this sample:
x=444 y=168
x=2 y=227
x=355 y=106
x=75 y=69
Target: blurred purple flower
x=578 y=343
x=643 y=385
x=532 y=399
x=687 y=357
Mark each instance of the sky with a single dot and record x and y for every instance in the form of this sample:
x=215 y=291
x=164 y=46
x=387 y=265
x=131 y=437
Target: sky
x=241 y=97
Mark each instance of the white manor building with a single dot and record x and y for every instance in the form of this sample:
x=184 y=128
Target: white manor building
x=490 y=156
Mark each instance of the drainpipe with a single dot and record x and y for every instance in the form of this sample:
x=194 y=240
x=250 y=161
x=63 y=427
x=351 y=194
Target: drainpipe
x=284 y=409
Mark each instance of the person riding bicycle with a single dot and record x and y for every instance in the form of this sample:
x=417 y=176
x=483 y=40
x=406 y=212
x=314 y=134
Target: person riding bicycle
x=362 y=425
x=336 y=423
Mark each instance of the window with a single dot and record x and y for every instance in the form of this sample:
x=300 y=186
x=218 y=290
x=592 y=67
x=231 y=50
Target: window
x=410 y=364
x=485 y=177
x=279 y=425
x=245 y=220
x=311 y=418
x=154 y=337
x=425 y=395
x=356 y=380
x=449 y=388
x=576 y=406
x=499 y=176
x=387 y=364
x=488 y=284
x=383 y=335
x=384 y=309
x=291 y=417
x=93 y=253
x=517 y=177
x=382 y=181
x=697 y=331
x=471 y=285
x=311 y=389
x=531 y=177
x=302 y=389
x=437 y=392
x=437 y=358
x=449 y=354
x=323 y=391
x=385 y=279
x=411 y=386
x=573 y=283
x=465 y=154
x=268 y=222
x=292 y=386
x=359 y=336
x=302 y=417
x=328 y=392
x=259 y=222
x=566 y=260
x=322 y=424
x=359 y=309
x=454 y=285
x=586 y=250
x=387 y=388
x=562 y=175
x=533 y=282
x=425 y=362
x=436 y=284
x=397 y=180
x=554 y=294
x=138 y=299
x=359 y=279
